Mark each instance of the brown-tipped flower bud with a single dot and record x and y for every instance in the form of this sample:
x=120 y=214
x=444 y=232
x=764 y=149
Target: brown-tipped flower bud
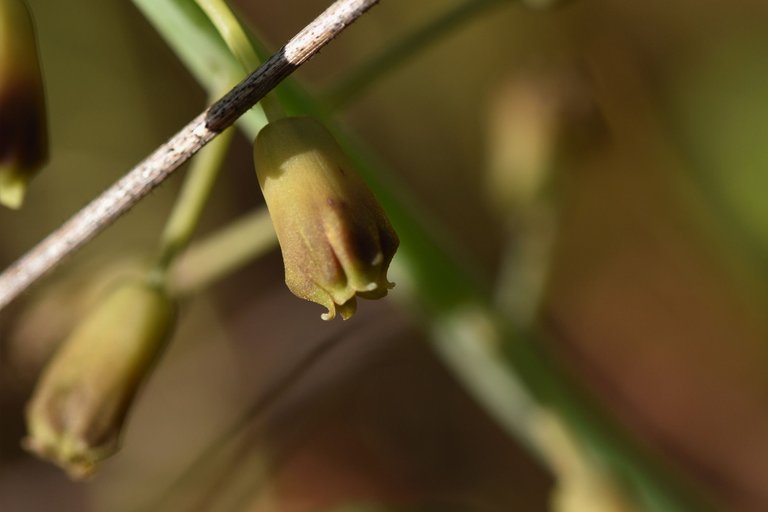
x=77 y=412
x=23 y=130
x=336 y=240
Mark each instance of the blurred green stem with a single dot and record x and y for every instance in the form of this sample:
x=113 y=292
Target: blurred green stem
x=196 y=42
x=228 y=249
x=230 y=30
x=349 y=87
x=526 y=262
x=207 y=164
x=193 y=198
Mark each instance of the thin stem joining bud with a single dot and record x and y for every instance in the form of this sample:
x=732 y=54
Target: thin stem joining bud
x=236 y=39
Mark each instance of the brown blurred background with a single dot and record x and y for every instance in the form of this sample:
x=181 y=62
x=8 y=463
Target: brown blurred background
x=656 y=299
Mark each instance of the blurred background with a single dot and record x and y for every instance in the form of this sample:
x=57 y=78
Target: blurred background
x=604 y=164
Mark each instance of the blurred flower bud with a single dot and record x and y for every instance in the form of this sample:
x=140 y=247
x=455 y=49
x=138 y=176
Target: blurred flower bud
x=23 y=131
x=77 y=411
x=49 y=314
x=543 y=124
x=540 y=122
x=336 y=240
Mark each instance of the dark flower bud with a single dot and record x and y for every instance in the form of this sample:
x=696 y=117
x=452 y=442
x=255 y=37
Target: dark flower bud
x=336 y=241
x=23 y=130
x=79 y=406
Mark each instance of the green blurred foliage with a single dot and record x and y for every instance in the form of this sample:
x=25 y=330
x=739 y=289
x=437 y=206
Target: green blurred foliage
x=720 y=113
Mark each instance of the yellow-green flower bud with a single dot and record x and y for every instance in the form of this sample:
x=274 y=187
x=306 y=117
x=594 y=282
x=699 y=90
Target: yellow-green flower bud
x=336 y=240
x=23 y=130
x=77 y=411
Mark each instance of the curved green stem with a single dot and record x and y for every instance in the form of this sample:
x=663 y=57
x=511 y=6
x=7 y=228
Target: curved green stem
x=231 y=31
x=194 y=196
x=233 y=34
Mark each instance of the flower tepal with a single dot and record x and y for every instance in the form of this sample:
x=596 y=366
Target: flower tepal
x=23 y=130
x=336 y=241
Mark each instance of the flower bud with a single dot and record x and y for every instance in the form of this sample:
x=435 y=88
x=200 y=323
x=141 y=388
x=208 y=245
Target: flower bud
x=336 y=240
x=541 y=122
x=23 y=131
x=81 y=401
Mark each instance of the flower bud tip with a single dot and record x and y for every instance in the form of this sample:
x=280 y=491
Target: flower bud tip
x=13 y=188
x=23 y=123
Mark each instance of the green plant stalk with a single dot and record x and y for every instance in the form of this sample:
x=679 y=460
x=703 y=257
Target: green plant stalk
x=407 y=47
x=443 y=286
x=231 y=32
x=197 y=44
x=207 y=164
x=216 y=256
x=192 y=200
x=234 y=36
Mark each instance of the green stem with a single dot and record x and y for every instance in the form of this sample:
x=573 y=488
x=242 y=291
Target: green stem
x=223 y=252
x=231 y=31
x=348 y=88
x=207 y=164
x=233 y=34
x=195 y=41
x=193 y=198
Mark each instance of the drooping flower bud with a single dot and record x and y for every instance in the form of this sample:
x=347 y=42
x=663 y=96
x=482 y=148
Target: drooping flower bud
x=23 y=130
x=78 y=409
x=336 y=241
